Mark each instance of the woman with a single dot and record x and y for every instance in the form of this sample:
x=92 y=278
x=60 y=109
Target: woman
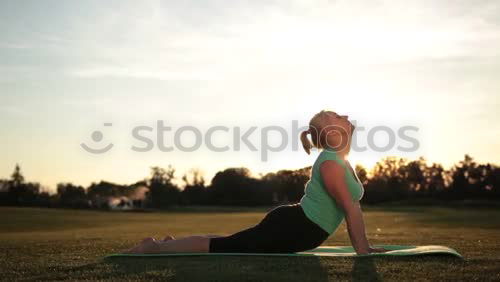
x=332 y=194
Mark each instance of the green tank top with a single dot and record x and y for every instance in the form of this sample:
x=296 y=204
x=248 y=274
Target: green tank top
x=318 y=205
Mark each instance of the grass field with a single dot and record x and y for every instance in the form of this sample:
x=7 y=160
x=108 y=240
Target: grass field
x=57 y=244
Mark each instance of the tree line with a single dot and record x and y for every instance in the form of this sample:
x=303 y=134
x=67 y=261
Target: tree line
x=391 y=179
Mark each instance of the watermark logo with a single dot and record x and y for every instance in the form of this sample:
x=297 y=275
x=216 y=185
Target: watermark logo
x=97 y=136
x=273 y=138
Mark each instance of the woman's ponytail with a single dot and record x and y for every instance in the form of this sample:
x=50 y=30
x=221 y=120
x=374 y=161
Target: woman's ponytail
x=305 y=141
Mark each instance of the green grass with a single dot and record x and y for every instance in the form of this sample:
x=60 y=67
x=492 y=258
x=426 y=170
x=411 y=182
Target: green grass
x=57 y=244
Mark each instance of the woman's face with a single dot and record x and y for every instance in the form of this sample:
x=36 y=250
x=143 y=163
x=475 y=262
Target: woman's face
x=338 y=130
x=340 y=123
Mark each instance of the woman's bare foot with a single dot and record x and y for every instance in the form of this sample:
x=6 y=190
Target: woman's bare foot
x=168 y=237
x=147 y=245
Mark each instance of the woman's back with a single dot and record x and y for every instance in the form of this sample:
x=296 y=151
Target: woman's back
x=318 y=204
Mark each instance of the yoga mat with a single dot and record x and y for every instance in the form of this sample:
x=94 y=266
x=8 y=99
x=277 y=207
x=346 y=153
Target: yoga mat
x=325 y=251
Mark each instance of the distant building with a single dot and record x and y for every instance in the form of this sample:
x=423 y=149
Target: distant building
x=120 y=203
x=115 y=197
x=4 y=185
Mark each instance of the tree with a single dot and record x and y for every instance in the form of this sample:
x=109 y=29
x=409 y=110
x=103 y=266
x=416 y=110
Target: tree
x=235 y=186
x=362 y=174
x=17 y=179
x=388 y=181
x=287 y=186
x=70 y=195
x=460 y=173
x=19 y=192
x=162 y=191
x=194 y=192
x=436 y=180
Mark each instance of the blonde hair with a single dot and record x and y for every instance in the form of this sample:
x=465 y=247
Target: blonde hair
x=316 y=125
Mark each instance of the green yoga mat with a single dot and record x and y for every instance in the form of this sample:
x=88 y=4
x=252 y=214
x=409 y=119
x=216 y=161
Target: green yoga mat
x=325 y=251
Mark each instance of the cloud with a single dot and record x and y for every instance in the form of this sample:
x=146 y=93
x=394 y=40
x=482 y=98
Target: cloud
x=15 y=111
x=189 y=40
x=111 y=71
x=14 y=46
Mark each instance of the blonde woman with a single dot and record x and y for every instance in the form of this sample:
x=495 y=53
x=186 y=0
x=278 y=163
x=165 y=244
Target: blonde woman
x=330 y=196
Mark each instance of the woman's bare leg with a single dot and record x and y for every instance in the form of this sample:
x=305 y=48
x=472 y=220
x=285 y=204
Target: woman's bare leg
x=213 y=236
x=190 y=244
x=170 y=237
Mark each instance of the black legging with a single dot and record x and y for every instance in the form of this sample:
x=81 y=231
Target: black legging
x=285 y=229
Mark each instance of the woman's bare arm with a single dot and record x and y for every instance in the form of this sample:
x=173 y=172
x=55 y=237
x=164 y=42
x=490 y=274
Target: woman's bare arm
x=356 y=228
x=333 y=174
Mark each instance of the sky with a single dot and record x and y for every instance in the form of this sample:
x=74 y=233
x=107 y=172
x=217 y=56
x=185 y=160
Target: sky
x=67 y=68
